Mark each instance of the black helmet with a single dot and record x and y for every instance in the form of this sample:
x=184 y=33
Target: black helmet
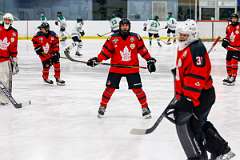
x=79 y=20
x=234 y=15
x=124 y=21
x=156 y=18
x=44 y=25
x=59 y=13
x=124 y=33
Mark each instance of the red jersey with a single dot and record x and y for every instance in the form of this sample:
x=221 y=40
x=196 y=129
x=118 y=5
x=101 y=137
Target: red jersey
x=233 y=36
x=193 y=72
x=45 y=44
x=8 y=43
x=124 y=52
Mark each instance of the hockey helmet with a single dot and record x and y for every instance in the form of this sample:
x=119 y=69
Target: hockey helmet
x=188 y=27
x=156 y=18
x=124 y=21
x=44 y=25
x=7 y=20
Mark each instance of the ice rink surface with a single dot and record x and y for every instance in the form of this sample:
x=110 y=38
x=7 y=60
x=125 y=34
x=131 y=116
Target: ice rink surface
x=62 y=123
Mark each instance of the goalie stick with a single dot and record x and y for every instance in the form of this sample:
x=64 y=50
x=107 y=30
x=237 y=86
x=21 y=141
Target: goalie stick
x=5 y=91
x=151 y=129
x=67 y=54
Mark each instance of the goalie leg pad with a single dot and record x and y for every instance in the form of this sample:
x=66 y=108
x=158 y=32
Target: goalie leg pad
x=215 y=144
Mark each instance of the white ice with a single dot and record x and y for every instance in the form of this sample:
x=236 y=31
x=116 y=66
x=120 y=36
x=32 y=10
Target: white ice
x=62 y=123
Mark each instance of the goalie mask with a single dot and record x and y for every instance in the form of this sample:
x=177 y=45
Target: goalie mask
x=187 y=33
x=7 y=20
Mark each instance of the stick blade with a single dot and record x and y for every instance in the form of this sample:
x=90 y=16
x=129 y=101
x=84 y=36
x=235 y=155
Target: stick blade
x=136 y=131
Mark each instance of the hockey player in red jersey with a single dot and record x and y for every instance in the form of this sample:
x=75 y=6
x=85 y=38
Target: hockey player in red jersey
x=123 y=48
x=232 y=44
x=46 y=45
x=195 y=96
x=8 y=54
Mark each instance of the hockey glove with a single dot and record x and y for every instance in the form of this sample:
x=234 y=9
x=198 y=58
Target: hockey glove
x=151 y=65
x=183 y=110
x=14 y=65
x=55 y=57
x=93 y=62
x=56 y=23
x=145 y=28
x=82 y=33
x=225 y=43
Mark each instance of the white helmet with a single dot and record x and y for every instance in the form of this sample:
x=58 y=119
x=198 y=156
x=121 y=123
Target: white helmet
x=188 y=27
x=7 y=20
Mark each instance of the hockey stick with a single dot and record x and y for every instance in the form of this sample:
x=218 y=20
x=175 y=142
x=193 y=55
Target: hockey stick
x=9 y=96
x=101 y=35
x=151 y=129
x=234 y=48
x=106 y=64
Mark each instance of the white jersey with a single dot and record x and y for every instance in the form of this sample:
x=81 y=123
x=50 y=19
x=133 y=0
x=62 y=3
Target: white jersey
x=62 y=21
x=153 y=26
x=77 y=29
x=172 y=24
x=114 y=23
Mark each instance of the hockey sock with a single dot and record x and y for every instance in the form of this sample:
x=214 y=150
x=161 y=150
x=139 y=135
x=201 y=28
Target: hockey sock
x=158 y=41
x=57 y=70
x=141 y=96
x=45 y=72
x=229 y=67
x=234 y=63
x=108 y=92
x=150 y=41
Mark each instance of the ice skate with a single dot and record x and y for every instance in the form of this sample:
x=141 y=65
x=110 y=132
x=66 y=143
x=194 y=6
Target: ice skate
x=101 y=111
x=60 y=82
x=78 y=54
x=146 y=113
x=48 y=81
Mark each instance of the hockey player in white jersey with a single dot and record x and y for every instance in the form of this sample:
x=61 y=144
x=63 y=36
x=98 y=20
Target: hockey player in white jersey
x=77 y=33
x=171 y=28
x=153 y=27
x=61 y=22
x=43 y=18
x=114 y=23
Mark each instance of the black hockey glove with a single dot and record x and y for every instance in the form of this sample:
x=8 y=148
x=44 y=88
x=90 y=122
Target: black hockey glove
x=182 y=111
x=93 y=62
x=151 y=65
x=56 y=23
x=55 y=57
x=145 y=28
x=225 y=43
x=82 y=33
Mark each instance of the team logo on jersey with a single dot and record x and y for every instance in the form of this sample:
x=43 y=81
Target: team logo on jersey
x=115 y=40
x=125 y=54
x=197 y=84
x=4 y=44
x=132 y=39
x=12 y=39
x=132 y=46
x=46 y=48
x=14 y=34
x=41 y=39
